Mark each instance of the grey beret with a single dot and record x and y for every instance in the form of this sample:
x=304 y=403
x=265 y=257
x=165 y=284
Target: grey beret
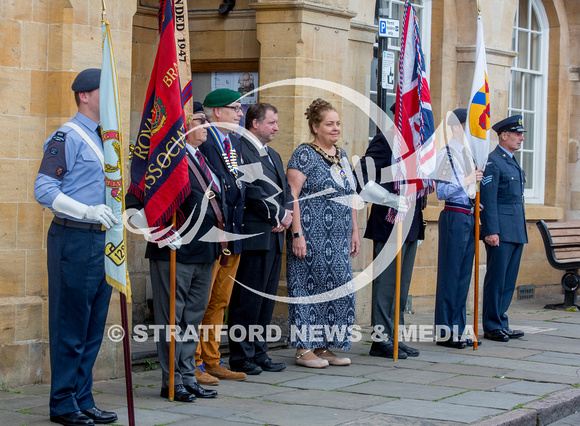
x=87 y=80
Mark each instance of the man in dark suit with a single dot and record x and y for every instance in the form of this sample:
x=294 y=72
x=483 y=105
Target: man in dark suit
x=223 y=151
x=379 y=189
x=503 y=221
x=195 y=261
x=267 y=214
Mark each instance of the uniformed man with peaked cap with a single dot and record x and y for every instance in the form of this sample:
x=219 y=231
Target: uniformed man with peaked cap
x=503 y=221
x=71 y=182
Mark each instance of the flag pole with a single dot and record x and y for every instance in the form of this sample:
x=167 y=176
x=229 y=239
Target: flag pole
x=476 y=275
x=172 y=264
x=397 y=292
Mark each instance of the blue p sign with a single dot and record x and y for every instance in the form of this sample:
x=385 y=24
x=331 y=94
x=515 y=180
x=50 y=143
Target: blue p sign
x=382 y=27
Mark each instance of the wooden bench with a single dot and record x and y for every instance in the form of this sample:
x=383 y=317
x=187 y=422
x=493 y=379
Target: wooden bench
x=562 y=244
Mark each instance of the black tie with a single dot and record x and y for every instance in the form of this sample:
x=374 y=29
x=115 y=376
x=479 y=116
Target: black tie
x=100 y=132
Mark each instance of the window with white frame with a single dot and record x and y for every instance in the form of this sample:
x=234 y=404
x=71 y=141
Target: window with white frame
x=528 y=92
x=393 y=9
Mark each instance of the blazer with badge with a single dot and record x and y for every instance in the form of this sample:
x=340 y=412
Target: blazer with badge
x=502 y=190
x=268 y=197
x=196 y=251
x=233 y=196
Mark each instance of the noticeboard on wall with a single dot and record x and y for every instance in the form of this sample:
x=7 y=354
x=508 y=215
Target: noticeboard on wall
x=243 y=82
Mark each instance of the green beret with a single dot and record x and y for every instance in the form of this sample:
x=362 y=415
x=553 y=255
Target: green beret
x=221 y=97
x=87 y=80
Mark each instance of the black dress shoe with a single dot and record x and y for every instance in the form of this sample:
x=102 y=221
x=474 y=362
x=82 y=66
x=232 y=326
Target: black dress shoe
x=246 y=366
x=408 y=350
x=450 y=343
x=99 y=416
x=513 y=334
x=386 y=350
x=179 y=394
x=198 y=391
x=497 y=335
x=268 y=365
x=74 y=418
x=470 y=342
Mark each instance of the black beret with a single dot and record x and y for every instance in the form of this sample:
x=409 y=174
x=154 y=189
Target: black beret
x=510 y=124
x=87 y=80
x=197 y=107
x=457 y=117
x=221 y=97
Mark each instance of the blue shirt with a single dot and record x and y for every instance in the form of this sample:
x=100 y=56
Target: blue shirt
x=511 y=154
x=450 y=179
x=70 y=166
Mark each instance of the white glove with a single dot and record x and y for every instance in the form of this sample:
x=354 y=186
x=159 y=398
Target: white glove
x=174 y=241
x=376 y=194
x=101 y=213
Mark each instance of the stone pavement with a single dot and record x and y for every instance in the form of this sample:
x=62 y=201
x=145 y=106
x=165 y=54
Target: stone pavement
x=532 y=380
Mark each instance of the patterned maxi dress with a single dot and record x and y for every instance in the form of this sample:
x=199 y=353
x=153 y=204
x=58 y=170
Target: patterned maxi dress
x=327 y=227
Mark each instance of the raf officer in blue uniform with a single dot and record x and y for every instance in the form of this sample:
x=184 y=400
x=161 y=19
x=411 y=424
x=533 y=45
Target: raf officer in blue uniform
x=71 y=182
x=503 y=221
x=456 y=179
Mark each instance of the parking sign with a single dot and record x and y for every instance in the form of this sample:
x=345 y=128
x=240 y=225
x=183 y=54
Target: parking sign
x=388 y=28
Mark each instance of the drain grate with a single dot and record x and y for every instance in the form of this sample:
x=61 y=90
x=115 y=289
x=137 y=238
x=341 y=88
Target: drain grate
x=526 y=291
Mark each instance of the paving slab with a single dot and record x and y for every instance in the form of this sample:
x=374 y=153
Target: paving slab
x=443 y=356
x=523 y=365
x=15 y=418
x=572 y=420
x=540 y=376
x=271 y=378
x=467 y=370
x=556 y=406
x=290 y=415
x=387 y=420
x=205 y=421
x=498 y=350
x=250 y=390
x=329 y=399
x=410 y=376
x=556 y=358
x=403 y=390
x=499 y=400
x=531 y=388
x=473 y=382
x=196 y=409
x=434 y=410
x=324 y=382
x=151 y=417
x=22 y=402
x=352 y=370
x=412 y=363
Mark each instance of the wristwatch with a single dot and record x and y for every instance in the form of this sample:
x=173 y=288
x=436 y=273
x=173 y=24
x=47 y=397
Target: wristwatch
x=297 y=235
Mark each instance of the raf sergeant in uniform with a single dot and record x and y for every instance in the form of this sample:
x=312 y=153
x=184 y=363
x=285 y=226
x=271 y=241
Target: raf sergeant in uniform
x=455 y=185
x=195 y=261
x=267 y=214
x=71 y=182
x=504 y=228
x=223 y=152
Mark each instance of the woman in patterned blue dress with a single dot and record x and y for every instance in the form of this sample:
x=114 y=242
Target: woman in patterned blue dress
x=324 y=236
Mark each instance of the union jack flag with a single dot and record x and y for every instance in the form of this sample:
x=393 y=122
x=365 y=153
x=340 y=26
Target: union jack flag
x=414 y=145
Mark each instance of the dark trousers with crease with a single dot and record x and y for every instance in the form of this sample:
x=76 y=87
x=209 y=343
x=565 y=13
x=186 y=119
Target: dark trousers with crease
x=259 y=270
x=78 y=302
x=503 y=264
x=454 y=266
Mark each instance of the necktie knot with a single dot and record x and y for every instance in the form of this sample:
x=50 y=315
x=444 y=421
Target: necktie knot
x=100 y=132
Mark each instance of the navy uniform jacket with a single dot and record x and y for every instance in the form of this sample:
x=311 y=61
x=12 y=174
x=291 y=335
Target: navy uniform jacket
x=265 y=204
x=502 y=190
x=234 y=196
x=378 y=229
x=196 y=251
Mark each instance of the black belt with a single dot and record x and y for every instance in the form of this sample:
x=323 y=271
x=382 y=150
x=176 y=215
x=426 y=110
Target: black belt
x=74 y=224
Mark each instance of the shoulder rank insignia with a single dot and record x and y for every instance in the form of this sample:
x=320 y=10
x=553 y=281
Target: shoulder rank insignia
x=59 y=137
x=486 y=179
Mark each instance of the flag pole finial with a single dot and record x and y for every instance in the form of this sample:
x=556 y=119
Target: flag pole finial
x=478 y=7
x=104 y=12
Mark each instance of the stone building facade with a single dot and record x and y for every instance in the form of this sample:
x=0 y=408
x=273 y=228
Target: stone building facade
x=44 y=44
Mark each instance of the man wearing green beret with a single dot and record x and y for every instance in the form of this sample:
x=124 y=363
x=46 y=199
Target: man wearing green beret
x=223 y=151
